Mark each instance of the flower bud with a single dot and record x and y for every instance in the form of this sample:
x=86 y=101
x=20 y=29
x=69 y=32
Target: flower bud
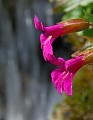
x=89 y=57
x=75 y=25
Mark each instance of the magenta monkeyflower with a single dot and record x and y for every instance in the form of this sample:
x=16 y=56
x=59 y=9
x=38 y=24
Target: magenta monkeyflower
x=60 y=29
x=62 y=77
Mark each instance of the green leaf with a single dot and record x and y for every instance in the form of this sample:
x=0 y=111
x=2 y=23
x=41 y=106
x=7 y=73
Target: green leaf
x=72 y=4
x=76 y=13
x=88 y=32
x=89 y=13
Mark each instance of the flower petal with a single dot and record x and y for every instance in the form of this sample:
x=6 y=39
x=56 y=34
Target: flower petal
x=57 y=79
x=56 y=61
x=62 y=80
x=46 y=46
x=67 y=83
x=38 y=24
x=74 y=64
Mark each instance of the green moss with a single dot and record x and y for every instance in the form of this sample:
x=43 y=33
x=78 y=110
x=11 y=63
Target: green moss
x=81 y=103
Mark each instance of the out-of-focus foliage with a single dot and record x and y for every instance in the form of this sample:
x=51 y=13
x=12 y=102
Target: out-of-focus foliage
x=80 y=105
x=72 y=4
x=77 y=9
x=69 y=5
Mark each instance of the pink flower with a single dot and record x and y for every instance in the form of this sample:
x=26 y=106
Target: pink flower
x=52 y=32
x=49 y=35
x=62 y=77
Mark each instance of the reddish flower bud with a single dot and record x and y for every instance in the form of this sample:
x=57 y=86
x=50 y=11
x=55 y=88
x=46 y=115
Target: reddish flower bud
x=75 y=25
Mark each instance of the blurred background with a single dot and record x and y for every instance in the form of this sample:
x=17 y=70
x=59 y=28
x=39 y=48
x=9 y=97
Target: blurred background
x=26 y=90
